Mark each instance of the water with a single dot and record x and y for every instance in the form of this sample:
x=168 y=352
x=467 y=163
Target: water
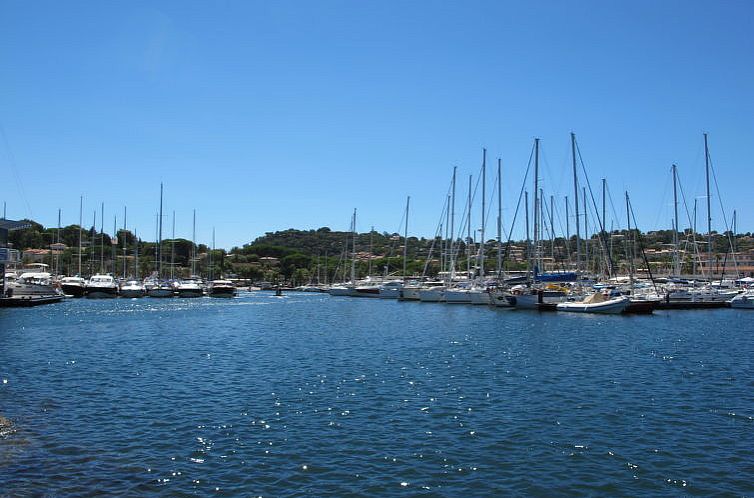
x=313 y=395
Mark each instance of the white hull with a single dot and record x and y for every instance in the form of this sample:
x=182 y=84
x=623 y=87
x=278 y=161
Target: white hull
x=432 y=296
x=409 y=294
x=457 y=297
x=500 y=300
x=743 y=301
x=341 y=291
x=480 y=297
x=392 y=293
x=611 y=306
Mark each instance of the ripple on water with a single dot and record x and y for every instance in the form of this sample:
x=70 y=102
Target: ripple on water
x=308 y=394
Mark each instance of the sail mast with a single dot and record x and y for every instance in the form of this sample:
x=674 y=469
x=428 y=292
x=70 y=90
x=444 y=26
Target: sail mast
x=353 y=250
x=405 y=243
x=676 y=262
x=452 y=262
x=499 y=218
x=576 y=202
x=125 y=241
x=159 y=238
x=535 y=206
x=484 y=199
x=193 y=246
x=172 y=251
x=709 y=209
x=81 y=222
x=102 y=241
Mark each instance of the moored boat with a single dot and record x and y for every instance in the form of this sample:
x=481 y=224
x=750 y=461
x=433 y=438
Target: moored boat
x=190 y=288
x=744 y=300
x=101 y=287
x=596 y=303
x=73 y=286
x=221 y=288
x=132 y=289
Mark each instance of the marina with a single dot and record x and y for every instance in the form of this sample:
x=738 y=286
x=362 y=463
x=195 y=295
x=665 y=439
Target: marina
x=376 y=249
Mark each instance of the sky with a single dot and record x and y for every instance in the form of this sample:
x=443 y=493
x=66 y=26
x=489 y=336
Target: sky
x=264 y=116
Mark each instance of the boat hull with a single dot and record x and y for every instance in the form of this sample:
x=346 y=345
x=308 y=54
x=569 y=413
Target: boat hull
x=480 y=297
x=432 y=296
x=409 y=294
x=160 y=292
x=610 y=307
x=373 y=292
x=190 y=293
x=101 y=292
x=73 y=290
x=341 y=291
x=131 y=293
x=457 y=297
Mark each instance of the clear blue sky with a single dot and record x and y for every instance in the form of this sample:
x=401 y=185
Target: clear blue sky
x=269 y=115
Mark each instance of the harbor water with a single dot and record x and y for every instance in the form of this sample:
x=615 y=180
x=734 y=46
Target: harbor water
x=308 y=394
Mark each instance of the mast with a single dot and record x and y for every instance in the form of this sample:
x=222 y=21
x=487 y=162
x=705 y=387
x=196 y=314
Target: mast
x=535 y=207
x=499 y=218
x=114 y=246
x=57 y=257
x=371 y=249
x=568 y=231
x=586 y=231
x=552 y=228
x=484 y=206
x=709 y=209
x=452 y=262
x=576 y=201
x=696 y=249
x=81 y=222
x=125 y=241
x=676 y=262
x=405 y=243
x=629 y=250
x=353 y=250
x=92 y=253
x=102 y=241
x=528 y=239
x=159 y=239
x=211 y=267
x=446 y=252
x=193 y=246
x=172 y=251
x=468 y=231
x=136 y=255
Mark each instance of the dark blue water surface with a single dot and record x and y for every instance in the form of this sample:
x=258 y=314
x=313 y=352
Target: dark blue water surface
x=315 y=395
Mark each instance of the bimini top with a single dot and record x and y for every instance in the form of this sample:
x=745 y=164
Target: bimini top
x=11 y=225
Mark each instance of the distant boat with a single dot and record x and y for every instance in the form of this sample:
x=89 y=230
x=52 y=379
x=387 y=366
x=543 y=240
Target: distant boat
x=73 y=286
x=132 y=289
x=33 y=282
x=161 y=289
x=744 y=300
x=101 y=286
x=596 y=303
x=221 y=288
x=191 y=287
